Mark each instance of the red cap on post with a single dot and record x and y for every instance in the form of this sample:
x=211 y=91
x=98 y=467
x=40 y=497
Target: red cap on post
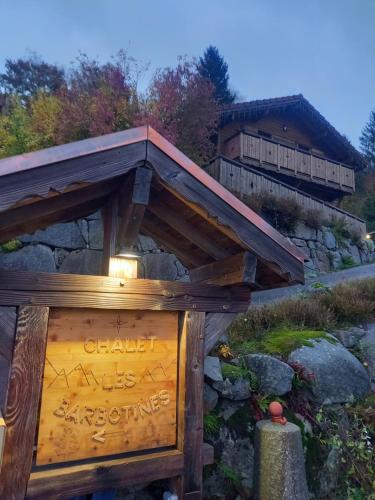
x=276 y=411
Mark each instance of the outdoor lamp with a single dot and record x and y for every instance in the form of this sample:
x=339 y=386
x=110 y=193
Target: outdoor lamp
x=124 y=264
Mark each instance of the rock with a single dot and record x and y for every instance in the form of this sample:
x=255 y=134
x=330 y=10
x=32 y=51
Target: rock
x=212 y=368
x=82 y=262
x=304 y=232
x=274 y=376
x=329 y=240
x=96 y=234
x=229 y=408
x=29 y=258
x=367 y=346
x=354 y=252
x=350 y=337
x=299 y=243
x=335 y=259
x=210 y=399
x=60 y=254
x=160 y=266
x=237 y=390
x=328 y=476
x=338 y=376
x=83 y=226
x=146 y=244
x=238 y=456
x=96 y=215
x=64 y=235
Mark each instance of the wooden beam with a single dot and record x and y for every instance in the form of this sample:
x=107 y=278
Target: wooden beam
x=188 y=230
x=110 y=227
x=193 y=443
x=133 y=201
x=216 y=325
x=154 y=231
x=21 y=415
x=233 y=270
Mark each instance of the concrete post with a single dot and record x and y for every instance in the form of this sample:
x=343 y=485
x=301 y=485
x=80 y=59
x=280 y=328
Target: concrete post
x=279 y=472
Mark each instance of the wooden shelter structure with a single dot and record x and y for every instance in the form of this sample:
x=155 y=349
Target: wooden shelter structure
x=55 y=447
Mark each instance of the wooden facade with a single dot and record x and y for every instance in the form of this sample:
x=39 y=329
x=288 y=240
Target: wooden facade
x=245 y=180
x=84 y=358
x=288 y=139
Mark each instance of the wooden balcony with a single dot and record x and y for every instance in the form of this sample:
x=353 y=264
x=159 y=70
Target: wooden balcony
x=288 y=161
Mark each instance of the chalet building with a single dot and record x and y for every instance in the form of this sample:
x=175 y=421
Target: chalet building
x=284 y=146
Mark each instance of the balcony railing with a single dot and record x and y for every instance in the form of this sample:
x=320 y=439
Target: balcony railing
x=245 y=181
x=270 y=155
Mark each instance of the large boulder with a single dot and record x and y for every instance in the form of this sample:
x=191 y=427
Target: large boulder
x=274 y=377
x=367 y=346
x=65 y=235
x=29 y=258
x=329 y=239
x=338 y=376
x=350 y=337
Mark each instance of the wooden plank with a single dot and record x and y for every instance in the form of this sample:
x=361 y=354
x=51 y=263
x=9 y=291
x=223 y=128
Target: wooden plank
x=8 y=319
x=23 y=400
x=121 y=301
x=187 y=229
x=193 y=444
x=236 y=269
x=109 y=384
x=136 y=196
x=110 y=227
x=26 y=280
x=75 y=480
x=45 y=211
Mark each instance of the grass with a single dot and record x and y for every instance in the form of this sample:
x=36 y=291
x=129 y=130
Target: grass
x=282 y=341
x=279 y=328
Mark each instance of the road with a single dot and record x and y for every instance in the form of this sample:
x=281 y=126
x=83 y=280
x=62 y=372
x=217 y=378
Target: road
x=331 y=279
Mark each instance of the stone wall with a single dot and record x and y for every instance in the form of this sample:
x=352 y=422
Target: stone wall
x=76 y=247
x=328 y=253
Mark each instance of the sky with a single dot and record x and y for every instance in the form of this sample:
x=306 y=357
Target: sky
x=324 y=49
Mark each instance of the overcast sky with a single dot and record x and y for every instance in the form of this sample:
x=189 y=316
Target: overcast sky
x=324 y=49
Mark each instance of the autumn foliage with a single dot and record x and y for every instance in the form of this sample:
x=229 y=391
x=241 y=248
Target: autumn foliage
x=92 y=99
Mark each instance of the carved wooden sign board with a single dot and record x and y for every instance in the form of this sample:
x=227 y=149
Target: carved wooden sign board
x=109 y=385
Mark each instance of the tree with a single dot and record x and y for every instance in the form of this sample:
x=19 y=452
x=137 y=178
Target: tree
x=180 y=105
x=367 y=140
x=98 y=99
x=25 y=77
x=213 y=67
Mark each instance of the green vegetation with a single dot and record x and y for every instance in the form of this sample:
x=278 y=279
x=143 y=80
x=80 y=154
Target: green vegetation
x=347 y=262
x=339 y=229
x=10 y=246
x=282 y=341
x=282 y=327
x=211 y=424
x=230 y=475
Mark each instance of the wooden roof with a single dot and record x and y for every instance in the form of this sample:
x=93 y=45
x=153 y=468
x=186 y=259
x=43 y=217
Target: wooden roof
x=299 y=105
x=186 y=210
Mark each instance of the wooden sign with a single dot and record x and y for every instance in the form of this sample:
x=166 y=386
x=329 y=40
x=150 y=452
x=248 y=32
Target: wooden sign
x=110 y=383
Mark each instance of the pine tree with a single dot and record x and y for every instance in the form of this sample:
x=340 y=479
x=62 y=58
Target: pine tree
x=367 y=140
x=213 y=67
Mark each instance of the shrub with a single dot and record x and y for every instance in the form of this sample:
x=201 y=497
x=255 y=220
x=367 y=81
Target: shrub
x=313 y=218
x=211 y=424
x=347 y=262
x=339 y=229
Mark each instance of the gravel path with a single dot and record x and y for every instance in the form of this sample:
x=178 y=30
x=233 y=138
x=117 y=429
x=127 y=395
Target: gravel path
x=331 y=279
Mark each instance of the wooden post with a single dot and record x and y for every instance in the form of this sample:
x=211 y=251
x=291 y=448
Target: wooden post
x=110 y=226
x=21 y=415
